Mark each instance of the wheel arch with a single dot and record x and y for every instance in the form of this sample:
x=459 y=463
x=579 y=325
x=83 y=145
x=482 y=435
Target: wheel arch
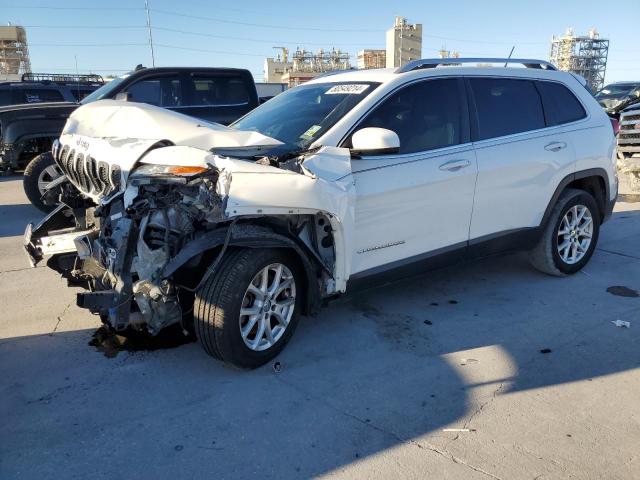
x=594 y=180
x=192 y=261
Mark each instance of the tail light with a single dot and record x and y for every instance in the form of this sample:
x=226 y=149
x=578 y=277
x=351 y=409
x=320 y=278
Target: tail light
x=615 y=124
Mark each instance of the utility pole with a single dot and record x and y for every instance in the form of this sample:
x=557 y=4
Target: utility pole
x=153 y=57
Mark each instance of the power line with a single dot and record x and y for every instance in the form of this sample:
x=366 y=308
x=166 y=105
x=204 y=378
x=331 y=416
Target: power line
x=263 y=25
x=249 y=39
x=210 y=51
x=31 y=7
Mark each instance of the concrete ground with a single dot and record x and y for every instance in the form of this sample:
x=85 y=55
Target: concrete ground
x=366 y=389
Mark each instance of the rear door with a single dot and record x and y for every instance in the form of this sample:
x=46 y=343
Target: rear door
x=220 y=97
x=521 y=156
x=417 y=203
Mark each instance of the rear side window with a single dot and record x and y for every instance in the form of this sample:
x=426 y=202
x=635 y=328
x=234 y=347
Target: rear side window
x=219 y=90
x=425 y=115
x=163 y=92
x=5 y=97
x=560 y=104
x=79 y=93
x=38 y=95
x=506 y=106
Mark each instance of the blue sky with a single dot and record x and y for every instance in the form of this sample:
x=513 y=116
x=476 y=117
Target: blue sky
x=111 y=37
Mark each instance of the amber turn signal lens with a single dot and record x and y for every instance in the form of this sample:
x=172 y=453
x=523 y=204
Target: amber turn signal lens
x=178 y=170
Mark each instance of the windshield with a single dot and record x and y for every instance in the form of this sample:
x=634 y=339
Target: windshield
x=301 y=115
x=616 y=90
x=104 y=90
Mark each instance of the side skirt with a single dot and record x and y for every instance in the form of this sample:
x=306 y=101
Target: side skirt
x=491 y=245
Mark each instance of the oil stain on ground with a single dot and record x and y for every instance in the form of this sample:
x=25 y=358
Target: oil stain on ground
x=111 y=343
x=621 y=291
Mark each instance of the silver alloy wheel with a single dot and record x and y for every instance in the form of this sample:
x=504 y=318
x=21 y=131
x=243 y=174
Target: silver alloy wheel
x=267 y=306
x=47 y=176
x=574 y=234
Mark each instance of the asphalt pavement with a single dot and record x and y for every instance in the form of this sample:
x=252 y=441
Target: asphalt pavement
x=483 y=370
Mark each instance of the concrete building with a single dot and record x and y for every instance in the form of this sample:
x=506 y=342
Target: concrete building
x=14 y=53
x=274 y=68
x=404 y=43
x=372 y=59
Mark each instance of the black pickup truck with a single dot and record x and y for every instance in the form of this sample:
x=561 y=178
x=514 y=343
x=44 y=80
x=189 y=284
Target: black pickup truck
x=219 y=95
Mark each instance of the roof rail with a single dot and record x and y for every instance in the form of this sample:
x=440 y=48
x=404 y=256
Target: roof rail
x=90 y=79
x=437 y=62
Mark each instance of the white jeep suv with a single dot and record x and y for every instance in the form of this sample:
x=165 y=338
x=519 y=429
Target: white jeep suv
x=233 y=232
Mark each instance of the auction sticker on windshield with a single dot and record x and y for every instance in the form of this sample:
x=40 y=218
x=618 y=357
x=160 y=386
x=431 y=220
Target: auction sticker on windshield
x=347 y=89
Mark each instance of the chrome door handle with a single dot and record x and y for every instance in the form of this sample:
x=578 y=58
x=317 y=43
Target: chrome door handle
x=454 y=165
x=555 y=146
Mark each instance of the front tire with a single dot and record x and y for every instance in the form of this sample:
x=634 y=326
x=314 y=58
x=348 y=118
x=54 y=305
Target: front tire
x=248 y=310
x=570 y=236
x=39 y=172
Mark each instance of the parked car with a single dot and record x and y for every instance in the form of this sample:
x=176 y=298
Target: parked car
x=629 y=145
x=350 y=178
x=615 y=97
x=48 y=87
x=219 y=95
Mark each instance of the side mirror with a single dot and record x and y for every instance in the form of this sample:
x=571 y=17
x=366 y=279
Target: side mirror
x=374 y=141
x=123 y=96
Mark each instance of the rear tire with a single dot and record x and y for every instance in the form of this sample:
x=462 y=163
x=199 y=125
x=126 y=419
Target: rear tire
x=565 y=247
x=39 y=171
x=223 y=307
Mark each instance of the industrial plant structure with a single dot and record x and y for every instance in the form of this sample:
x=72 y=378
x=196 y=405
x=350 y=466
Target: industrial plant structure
x=303 y=65
x=403 y=44
x=584 y=55
x=14 y=53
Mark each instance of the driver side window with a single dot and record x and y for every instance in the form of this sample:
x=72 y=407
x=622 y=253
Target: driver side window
x=425 y=115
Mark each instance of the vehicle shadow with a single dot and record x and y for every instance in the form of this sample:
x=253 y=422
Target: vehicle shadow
x=371 y=372
x=15 y=217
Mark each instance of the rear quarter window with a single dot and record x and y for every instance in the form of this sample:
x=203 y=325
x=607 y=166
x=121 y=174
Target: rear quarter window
x=506 y=106
x=560 y=104
x=38 y=95
x=5 y=97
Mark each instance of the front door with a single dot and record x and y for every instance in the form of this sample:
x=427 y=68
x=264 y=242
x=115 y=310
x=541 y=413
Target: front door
x=418 y=202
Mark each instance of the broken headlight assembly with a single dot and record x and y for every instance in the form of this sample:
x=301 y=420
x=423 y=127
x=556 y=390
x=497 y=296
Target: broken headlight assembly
x=152 y=173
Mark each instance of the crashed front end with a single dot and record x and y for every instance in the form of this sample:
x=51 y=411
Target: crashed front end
x=115 y=247
x=143 y=221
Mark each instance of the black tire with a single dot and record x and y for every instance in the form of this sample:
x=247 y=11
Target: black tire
x=32 y=174
x=217 y=306
x=545 y=256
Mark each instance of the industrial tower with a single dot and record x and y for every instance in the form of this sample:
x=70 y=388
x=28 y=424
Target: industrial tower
x=584 y=55
x=14 y=53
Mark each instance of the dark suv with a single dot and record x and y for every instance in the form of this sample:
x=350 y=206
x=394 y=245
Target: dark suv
x=48 y=87
x=219 y=95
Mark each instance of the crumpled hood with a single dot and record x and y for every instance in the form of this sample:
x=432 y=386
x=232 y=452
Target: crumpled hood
x=119 y=119
x=120 y=133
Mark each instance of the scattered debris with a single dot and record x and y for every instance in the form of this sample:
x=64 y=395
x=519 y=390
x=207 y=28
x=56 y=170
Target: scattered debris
x=111 y=343
x=277 y=367
x=621 y=323
x=428 y=322
x=458 y=429
x=545 y=350
x=622 y=291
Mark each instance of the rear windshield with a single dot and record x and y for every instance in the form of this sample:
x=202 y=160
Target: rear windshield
x=303 y=114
